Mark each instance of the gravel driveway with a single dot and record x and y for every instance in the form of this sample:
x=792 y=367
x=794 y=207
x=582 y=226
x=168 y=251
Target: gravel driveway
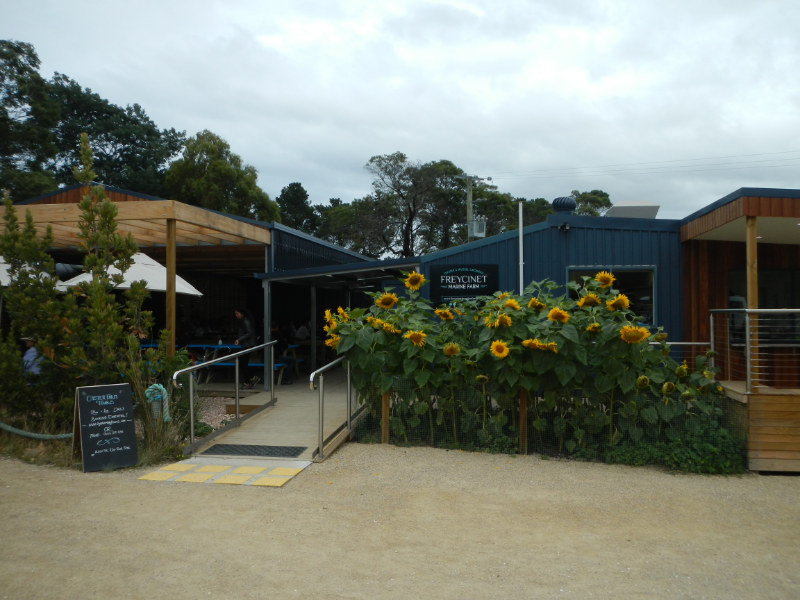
x=385 y=522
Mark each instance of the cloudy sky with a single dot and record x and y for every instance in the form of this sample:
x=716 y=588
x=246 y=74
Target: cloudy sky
x=678 y=102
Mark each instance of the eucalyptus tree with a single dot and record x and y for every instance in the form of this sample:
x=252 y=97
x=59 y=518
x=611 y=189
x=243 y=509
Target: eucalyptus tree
x=210 y=175
x=27 y=116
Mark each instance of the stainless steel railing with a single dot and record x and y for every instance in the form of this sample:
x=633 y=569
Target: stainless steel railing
x=227 y=358
x=320 y=373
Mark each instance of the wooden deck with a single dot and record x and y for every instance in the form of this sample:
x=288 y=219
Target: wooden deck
x=772 y=422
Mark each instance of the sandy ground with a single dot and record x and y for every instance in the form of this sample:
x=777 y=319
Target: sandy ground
x=386 y=522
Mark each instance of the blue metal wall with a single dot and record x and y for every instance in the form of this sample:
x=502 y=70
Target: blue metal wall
x=568 y=241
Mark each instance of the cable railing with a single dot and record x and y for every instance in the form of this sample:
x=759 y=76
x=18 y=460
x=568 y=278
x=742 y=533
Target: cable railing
x=227 y=358
x=760 y=347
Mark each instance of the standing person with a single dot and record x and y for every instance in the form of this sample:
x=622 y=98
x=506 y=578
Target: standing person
x=246 y=338
x=31 y=358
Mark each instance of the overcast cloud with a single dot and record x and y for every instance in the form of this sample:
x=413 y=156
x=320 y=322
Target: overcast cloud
x=678 y=102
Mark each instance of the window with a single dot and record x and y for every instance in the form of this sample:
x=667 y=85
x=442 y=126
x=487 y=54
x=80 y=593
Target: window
x=635 y=283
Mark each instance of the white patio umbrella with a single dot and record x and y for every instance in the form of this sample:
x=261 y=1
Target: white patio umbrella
x=144 y=268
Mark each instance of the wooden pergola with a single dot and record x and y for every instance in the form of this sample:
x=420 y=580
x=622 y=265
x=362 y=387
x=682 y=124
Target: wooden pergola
x=208 y=240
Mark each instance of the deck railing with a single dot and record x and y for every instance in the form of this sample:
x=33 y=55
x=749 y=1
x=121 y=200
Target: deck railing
x=760 y=347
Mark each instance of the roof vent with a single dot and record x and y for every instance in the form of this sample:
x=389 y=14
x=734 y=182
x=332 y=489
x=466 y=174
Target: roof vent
x=564 y=204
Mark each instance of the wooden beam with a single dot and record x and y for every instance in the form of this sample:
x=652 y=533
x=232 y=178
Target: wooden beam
x=170 y=309
x=751 y=250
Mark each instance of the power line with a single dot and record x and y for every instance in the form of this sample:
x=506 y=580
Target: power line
x=666 y=166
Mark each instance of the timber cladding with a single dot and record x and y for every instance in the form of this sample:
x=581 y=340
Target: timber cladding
x=773 y=432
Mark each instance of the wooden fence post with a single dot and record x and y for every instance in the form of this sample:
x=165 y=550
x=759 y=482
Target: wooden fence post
x=385 y=418
x=523 y=422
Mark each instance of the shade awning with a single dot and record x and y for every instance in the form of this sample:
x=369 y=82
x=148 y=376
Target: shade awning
x=144 y=269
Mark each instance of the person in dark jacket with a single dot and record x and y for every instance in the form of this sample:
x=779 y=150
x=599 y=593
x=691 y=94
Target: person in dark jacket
x=245 y=338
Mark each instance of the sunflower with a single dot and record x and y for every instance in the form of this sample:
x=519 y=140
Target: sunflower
x=332 y=341
x=667 y=388
x=444 y=314
x=451 y=349
x=417 y=337
x=330 y=327
x=389 y=328
x=589 y=300
x=343 y=314
x=619 y=302
x=387 y=300
x=593 y=328
x=414 y=281
x=503 y=319
x=642 y=382
x=529 y=343
x=499 y=348
x=511 y=303
x=633 y=335
x=535 y=344
x=329 y=317
x=556 y=314
x=536 y=304
x=604 y=278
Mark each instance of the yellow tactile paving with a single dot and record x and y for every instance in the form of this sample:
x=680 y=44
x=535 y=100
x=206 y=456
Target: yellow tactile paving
x=212 y=469
x=158 y=475
x=195 y=477
x=231 y=474
x=232 y=479
x=271 y=481
x=249 y=470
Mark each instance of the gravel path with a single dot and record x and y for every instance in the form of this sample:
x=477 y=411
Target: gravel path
x=385 y=522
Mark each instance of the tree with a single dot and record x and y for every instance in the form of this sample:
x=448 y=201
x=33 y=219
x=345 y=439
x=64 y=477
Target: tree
x=130 y=152
x=591 y=204
x=209 y=175
x=27 y=116
x=296 y=210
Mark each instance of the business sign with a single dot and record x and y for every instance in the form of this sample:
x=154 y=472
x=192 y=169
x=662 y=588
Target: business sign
x=104 y=430
x=458 y=282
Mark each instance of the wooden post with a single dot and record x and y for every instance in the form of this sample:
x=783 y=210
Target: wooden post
x=751 y=252
x=170 y=307
x=385 y=418
x=523 y=422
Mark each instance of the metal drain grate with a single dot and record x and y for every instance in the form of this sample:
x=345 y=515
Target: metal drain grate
x=250 y=450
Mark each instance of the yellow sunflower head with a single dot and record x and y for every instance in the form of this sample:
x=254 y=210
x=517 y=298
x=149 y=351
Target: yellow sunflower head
x=389 y=328
x=633 y=335
x=504 y=320
x=512 y=304
x=499 y=349
x=605 y=279
x=386 y=300
x=593 y=328
x=589 y=300
x=529 y=343
x=332 y=341
x=618 y=302
x=342 y=314
x=556 y=314
x=414 y=281
x=451 y=349
x=328 y=316
x=444 y=314
x=417 y=337
x=536 y=304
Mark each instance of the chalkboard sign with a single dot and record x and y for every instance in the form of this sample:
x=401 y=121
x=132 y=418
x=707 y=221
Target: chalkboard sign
x=104 y=427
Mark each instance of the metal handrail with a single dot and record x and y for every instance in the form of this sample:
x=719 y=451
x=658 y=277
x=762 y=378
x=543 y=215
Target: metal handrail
x=227 y=357
x=320 y=373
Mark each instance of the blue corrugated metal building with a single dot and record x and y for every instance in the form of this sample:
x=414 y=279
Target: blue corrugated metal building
x=644 y=254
